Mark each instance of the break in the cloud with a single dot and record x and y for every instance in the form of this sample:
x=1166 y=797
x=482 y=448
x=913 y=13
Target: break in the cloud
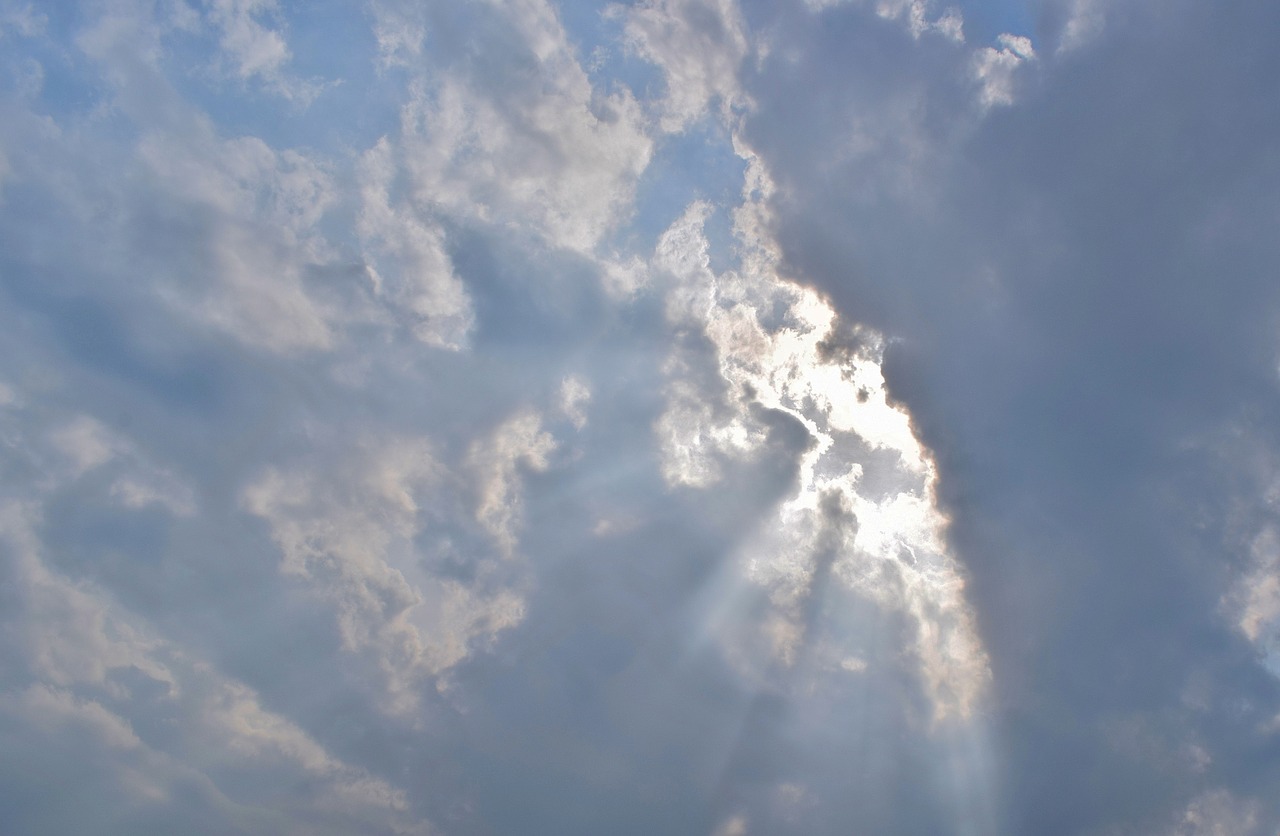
x=681 y=416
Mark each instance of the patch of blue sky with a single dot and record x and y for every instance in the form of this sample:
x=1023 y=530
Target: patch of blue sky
x=343 y=103
x=599 y=36
x=589 y=24
x=57 y=23
x=986 y=20
x=698 y=164
x=39 y=66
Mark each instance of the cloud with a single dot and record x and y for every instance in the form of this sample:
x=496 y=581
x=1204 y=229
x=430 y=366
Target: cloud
x=698 y=46
x=1085 y=20
x=1219 y=813
x=1055 y=344
x=575 y=395
x=865 y=520
x=518 y=442
x=412 y=254
x=355 y=545
x=22 y=19
x=522 y=139
x=256 y=49
x=996 y=69
x=689 y=416
x=262 y=208
x=400 y=30
x=250 y=48
x=148 y=718
x=916 y=13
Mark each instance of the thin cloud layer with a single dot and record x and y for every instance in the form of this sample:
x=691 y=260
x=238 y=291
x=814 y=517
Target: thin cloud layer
x=687 y=416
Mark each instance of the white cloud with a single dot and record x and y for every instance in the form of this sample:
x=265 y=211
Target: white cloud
x=399 y=29
x=699 y=45
x=1219 y=813
x=350 y=530
x=1260 y=589
x=916 y=15
x=262 y=208
x=496 y=461
x=885 y=545
x=256 y=51
x=524 y=141
x=248 y=213
x=128 y=41
x=1085 y=21
x=47 y=708
x=85 y=443
x=575 y=396
x=920 y=16
x=694 y=437
x=407 y=259
x=996 y=70
x=349 y=534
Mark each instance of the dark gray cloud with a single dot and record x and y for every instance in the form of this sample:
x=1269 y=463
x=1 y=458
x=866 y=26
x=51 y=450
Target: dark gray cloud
x=1085 y=304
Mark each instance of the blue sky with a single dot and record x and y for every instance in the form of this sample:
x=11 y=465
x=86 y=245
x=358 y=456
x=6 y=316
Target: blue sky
x=683 y=416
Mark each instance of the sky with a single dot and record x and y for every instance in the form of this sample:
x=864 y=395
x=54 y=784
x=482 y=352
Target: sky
x=710 y=417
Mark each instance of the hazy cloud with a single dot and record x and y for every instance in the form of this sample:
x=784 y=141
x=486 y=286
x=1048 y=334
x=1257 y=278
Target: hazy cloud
x=676 y=416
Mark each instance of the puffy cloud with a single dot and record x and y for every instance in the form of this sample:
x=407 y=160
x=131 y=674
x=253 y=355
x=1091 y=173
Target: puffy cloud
x=699 y=45
x=916 y=14
x=524 y=138
x=862 y=518
x=242 y=215
x=996 y=69
x=413 y=256
x=520 y=441
x=256 y=49
x=251 y=45
x=350 y=534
